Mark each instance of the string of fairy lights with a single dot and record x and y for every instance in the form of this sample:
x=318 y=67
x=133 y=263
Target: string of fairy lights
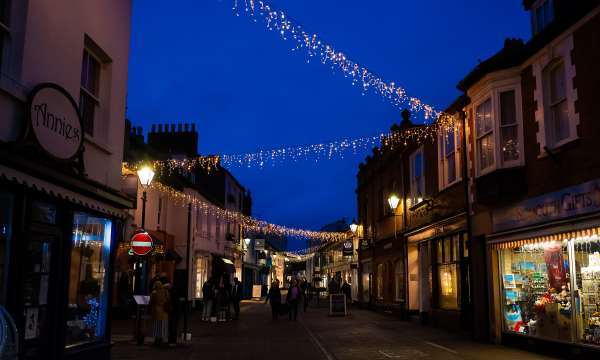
x=315 y=47
x=250 y=224
x=336 y=149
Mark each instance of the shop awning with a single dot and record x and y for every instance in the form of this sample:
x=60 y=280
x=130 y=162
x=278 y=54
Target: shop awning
x=551 y=235
x=46 y=187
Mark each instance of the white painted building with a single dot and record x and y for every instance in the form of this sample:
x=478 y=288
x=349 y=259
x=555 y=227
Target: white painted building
x=63 y=85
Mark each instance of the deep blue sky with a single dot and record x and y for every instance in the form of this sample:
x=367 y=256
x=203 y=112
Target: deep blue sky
x=194 y=61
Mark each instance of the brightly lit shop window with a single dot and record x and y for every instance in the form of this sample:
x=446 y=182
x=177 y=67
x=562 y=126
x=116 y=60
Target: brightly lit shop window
x=201 y=275
x=448 y=257
x=551 y=287
x=88 y=296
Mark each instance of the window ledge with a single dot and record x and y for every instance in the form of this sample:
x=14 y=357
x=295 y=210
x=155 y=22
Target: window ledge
x=451 y=185
x=563 y=146
x=102 y=147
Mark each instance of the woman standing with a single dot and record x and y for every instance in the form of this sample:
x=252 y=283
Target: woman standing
x=274 y=295
x=293 y=298
x=160 y=304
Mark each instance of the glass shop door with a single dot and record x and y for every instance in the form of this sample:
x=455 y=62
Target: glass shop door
x=39 y=284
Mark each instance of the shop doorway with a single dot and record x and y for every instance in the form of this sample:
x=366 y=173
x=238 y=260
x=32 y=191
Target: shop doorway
x=413 y=279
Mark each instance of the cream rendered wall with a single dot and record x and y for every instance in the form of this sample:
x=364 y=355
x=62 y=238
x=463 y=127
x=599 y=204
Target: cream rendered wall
x=53 y=49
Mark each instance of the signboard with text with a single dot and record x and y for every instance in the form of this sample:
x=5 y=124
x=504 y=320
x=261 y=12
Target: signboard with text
x=55 y=121
x=259 y=244
x=337 y=305
x=572 y=201
x=348 y=248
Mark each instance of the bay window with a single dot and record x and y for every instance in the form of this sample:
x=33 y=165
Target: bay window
x=498 y=135
x=449 y=165
x=417 y=177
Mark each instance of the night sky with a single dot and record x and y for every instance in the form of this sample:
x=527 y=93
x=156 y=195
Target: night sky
x=245 y=90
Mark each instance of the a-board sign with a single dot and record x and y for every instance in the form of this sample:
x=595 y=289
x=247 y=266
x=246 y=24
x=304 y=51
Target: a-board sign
x=141 y=299
x=256 y=291
x=337 y=305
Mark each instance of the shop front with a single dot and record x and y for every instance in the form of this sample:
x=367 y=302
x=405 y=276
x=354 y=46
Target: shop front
x=547 y=273
x=439 y=274
x=59 y=235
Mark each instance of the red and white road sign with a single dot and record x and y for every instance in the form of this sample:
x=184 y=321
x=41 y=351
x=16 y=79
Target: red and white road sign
x=141 y=243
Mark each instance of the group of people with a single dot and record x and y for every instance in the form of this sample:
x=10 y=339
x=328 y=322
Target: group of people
x=219 y=296
x=297 y=293
x=337 y=286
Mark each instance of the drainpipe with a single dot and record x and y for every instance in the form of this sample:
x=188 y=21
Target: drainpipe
x=465 y=176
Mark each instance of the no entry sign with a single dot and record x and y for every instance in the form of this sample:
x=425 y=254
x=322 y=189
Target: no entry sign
x=141 y=243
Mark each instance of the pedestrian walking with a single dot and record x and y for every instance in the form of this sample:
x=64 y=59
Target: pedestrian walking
x=175 y=294
x=305 y=286
x=294 y=296
x=274 y=295
x=208 y=296
x=160 y=306
x=347 y=290
x=223 y=298
x=236 y=297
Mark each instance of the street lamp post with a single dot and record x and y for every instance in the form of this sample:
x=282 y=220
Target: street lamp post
x=145 y=176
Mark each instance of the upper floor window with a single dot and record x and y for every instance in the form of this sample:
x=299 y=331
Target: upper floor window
x=417 y=178
x=485 y=135
x=555 y=104
x=542 y=14
x=89 y=99
x=497 y=131
x=4 y=10
x=449 y=145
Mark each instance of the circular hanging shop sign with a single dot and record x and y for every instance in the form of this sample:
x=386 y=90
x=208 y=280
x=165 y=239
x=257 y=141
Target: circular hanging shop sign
x=55 y=121
x=141 y=243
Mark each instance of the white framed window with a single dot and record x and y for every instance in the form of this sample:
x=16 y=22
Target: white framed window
x=449 y=151
x=484 y=127
x=89 y=98
x=509 y=127
x=417 y=176
x=555 y=104
x=542 y=14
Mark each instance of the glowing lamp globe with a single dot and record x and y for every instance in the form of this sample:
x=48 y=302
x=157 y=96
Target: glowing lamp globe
x=353 y=226
x=145 y=174
x=393 y=201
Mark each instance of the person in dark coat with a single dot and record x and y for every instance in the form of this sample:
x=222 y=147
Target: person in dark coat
x=236 y=297
x=305 y=286
x=208 y=295
x=347 y=290
x=294 y=296
x=274 y=295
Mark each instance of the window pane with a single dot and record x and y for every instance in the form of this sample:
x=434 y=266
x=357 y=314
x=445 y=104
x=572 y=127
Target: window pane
x=486 y=151
x=449 y=141
x=448 y=285
x=87 y=107
x=455 y=247
x=451 y=168
x=508 y=112
x=88 y=298
x=440 y=258
x=90 y=73
x=447 y=250
x=535 y=282
x=465 y=242
x=560 y=119
x=484 y=117
x=510 y=144
x=557 y=83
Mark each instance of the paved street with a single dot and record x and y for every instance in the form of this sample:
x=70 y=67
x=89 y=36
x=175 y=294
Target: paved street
x=362 y=335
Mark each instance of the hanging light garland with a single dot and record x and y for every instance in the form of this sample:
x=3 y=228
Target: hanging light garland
x=315 y=47
x=339 y=148
x=250 y=224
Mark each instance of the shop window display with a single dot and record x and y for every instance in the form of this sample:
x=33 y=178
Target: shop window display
x=448 y=271
x=536 y=286
x=88 y=299
x=587 y=266
x=552 y=289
